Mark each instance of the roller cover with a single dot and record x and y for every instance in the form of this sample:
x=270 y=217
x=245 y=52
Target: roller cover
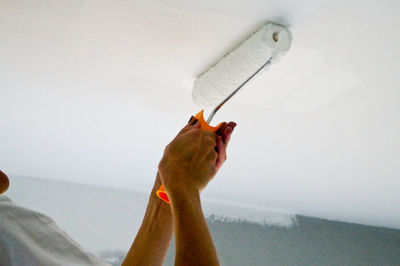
x=218 y=81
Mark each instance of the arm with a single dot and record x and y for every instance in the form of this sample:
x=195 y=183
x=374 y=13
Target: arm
x=194 y=245
x=152 y=241
x=188 y=164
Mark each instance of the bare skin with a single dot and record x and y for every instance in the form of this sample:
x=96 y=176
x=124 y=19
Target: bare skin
x=189 y=162
x=152 y=240
x=4 y=182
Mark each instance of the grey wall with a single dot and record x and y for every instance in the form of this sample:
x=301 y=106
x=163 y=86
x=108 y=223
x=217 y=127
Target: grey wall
x=311 y=242
x=105 y=221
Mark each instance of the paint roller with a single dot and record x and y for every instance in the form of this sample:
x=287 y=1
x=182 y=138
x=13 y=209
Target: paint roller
x=221 y=81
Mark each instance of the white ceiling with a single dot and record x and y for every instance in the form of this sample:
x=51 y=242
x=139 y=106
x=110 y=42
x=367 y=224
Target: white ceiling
x=91 y=92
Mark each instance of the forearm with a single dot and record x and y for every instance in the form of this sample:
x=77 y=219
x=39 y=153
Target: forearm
x=152 y=240
x=194 y=245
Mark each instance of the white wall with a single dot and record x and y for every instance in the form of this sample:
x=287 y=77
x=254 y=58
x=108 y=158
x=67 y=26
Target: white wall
x=91 y=92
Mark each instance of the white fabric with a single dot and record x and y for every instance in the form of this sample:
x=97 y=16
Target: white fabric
x=31 y=238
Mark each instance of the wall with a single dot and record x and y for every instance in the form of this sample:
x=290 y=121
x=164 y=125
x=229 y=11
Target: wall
x=105 y=222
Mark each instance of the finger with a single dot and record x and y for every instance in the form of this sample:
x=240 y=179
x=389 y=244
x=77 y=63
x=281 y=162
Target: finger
x=231 y=124
x=192 y=121
x=213 y=156
x=221 y=128
x=210 y=139
x=221 y=150
x=186 y=127
x=222 y=143
x=226 y=135
x=195 y=123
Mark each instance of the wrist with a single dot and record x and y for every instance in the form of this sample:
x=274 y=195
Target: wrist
x=178 y=195
x=179 y=190
x=158 y=204
x=155 y=202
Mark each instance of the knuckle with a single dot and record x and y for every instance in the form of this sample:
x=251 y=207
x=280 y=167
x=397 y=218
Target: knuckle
x=211 y=142
x=208 y=133
x=213 y=168
x=195 y=131
x=212 y=156
x=211 y=138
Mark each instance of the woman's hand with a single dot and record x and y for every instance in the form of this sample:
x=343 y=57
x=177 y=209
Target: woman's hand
x=189 y=162
x=193 y=158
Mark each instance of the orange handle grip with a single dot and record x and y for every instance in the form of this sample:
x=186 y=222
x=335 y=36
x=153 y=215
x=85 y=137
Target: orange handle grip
x=203 y=125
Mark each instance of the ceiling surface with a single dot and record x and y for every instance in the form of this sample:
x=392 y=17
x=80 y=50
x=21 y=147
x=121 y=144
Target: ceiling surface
x=92 y=91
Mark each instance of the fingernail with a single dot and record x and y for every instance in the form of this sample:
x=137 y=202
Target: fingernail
x=190 y=119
